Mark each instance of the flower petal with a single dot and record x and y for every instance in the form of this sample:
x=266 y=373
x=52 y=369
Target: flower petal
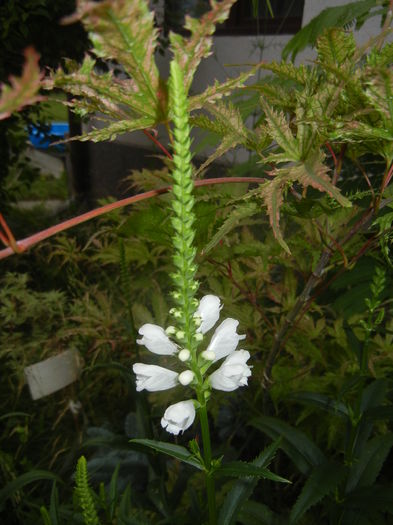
x=178 y=417
x=209 y=311
x=225 y=339
x=154 y=378
x=233 y=373
x=156 y=340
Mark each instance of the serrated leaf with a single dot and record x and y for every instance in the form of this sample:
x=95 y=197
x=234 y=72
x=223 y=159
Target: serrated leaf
x=365 y=469
x=219 y=90
x=188 y=52
x=124 y=30
x=174 y=451
x=243 y=489
x=22 y=90
x=111 y=131
x=323 y=480
x=298 y=447
x=313 y=173
x=272 y=195
x=233 y=221
x=280 y=131
x=336 y=47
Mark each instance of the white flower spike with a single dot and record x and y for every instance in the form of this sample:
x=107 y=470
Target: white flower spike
x=233 y=373
x=154 y=378
x=225 y=339
x=209 y=312
x=156 y=340
x=178 y=417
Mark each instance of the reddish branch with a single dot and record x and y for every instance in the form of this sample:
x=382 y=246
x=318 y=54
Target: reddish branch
x=14 y=246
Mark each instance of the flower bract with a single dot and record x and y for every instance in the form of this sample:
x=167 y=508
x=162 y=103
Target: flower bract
x=178 y=417
x=233 y=373
x=156 y=340
x=154 y=378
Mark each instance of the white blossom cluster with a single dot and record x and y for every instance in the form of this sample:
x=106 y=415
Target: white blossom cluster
x=233 y=372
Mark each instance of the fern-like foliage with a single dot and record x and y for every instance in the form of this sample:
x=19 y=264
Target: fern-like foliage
x=123 y=31
x=83 y=493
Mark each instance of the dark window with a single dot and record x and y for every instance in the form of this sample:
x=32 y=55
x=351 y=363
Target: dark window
x=244 y=19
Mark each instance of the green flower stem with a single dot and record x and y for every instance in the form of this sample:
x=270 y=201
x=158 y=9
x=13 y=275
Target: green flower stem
x=183 y=216
x=210 y=488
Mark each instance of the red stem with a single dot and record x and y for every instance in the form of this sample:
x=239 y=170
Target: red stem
x=157 y=143
x=26 y=243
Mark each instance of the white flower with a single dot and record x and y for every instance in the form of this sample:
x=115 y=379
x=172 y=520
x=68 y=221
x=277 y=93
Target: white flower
x=156 y=340
x=225 y=339
x=154 y=378
x=233 y=372
x=209 y=312
x=178 y=417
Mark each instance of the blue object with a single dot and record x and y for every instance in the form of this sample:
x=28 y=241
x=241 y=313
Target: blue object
x=57 y=131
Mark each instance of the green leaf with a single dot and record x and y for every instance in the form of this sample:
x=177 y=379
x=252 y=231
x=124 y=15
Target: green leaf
x=233 y=221
x=243 y=489
x=124 y=30
x=259 y=514
x=240 y=469
x=188 y=52
x=337 y=408
x=219 y=90
x=111 y=131
x=280 y=131
x=323 y=480
x=298 y=447
x=175 y=451
x=23 y=480
x=366 y=468
x=314 y=173
x=336 y=48
x=340 y=16
x=23 y=90
x=272 y=195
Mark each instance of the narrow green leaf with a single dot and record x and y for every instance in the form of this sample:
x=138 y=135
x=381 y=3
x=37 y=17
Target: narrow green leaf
x=240 y=469
x=280 y=132
x=54 y=506
x=23 y=480
x=322 y=481
x=298 y=447
x=366 y=468
x=243 y=489
x=259 y=514
x=175 y=451
x=233 y=221
x=272 y=195
x=337 y=408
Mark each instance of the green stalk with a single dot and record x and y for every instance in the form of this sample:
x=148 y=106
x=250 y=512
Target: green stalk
x=210 y=488
x=184 y=279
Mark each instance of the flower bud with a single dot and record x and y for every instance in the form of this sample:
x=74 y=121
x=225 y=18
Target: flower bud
x=184 y=355
x=186 y=377
x=180 y=334
x=199 y=337
x=209 y=355
x=170 y=330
